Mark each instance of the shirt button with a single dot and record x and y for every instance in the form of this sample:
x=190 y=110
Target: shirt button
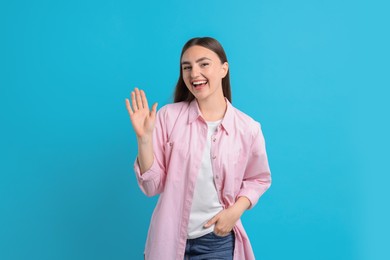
x=170 y=144
x=214 y=139
x=214 y=157
x=217 y=177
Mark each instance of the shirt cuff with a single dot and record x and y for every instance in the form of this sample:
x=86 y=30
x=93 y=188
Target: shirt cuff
x=252 y=196
x=149 y=180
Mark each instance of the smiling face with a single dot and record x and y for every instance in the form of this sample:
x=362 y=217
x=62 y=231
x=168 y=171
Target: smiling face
x=203 y=72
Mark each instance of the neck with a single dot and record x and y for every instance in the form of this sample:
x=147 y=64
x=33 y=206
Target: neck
x=213 y=110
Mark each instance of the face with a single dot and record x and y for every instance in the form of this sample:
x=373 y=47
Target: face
x=203 y=72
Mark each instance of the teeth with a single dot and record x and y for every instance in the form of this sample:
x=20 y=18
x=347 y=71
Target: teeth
x=199 y=83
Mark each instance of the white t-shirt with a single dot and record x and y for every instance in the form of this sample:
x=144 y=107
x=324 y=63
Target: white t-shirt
x=205 y=203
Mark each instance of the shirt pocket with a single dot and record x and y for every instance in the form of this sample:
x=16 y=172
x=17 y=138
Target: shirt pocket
x=176 y=154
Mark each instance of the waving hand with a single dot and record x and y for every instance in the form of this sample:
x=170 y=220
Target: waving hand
x=142 y=119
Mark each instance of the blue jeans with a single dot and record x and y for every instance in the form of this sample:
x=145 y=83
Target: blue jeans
x=210 y=247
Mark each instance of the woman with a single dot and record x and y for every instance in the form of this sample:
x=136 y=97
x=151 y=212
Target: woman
x=205 y=158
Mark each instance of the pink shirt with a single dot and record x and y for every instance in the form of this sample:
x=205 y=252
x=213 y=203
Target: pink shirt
x=239 y=163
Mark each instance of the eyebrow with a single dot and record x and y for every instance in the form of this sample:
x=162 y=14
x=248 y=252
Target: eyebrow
x=198 y=60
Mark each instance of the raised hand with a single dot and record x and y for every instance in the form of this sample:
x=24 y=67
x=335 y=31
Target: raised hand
x=142 y=119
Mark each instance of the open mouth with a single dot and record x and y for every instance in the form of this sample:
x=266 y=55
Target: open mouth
x=199 y=84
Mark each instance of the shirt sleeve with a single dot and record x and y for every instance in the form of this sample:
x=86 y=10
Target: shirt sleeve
x=152 y=181
x=257 y=175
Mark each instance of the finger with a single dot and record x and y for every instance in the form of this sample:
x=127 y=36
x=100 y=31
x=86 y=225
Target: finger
x=135 y=107
x=221 y=233
x=138 y=98
x=211 y=221
x=154 y=110
x=144 y=100
x=218 y=232
x=129 y=107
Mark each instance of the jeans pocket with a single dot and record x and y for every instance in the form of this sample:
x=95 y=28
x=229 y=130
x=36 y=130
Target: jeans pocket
x=221 y=237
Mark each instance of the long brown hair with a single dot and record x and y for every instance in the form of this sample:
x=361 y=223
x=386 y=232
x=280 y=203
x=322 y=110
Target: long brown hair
x=181 y=91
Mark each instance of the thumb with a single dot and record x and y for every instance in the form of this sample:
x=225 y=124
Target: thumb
x=154 y=110
x=211 y=221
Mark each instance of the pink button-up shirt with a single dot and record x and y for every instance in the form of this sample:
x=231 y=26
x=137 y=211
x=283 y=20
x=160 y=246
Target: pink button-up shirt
x=239 y=163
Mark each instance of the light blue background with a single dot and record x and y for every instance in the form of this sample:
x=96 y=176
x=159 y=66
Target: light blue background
x=314 y=73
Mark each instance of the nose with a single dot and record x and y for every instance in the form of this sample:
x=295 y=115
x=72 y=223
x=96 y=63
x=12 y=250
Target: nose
x=194 y=72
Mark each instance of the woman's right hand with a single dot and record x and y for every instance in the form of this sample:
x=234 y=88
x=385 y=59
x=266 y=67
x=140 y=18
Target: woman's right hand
x=142 y=119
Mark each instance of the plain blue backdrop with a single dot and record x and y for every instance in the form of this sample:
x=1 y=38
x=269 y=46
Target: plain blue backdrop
x=314 y=73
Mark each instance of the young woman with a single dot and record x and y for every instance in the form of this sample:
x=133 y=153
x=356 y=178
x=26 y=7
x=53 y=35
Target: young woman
x=205 y=158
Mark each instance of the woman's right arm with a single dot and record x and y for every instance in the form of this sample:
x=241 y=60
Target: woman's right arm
x=143 y=121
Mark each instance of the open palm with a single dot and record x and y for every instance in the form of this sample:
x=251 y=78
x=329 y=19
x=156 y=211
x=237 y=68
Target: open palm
x=142 y=119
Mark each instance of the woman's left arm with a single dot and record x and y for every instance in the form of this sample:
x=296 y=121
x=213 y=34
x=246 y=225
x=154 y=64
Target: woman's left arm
x=256 y=180
x=257 y=175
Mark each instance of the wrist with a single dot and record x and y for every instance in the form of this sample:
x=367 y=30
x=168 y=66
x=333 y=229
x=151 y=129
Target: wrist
x=242 y=204
x=144 y=140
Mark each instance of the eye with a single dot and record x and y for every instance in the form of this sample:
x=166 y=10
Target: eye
x=186 y=67
x=204 y=64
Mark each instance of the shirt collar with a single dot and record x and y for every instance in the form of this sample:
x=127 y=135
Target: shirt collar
x=227 y=121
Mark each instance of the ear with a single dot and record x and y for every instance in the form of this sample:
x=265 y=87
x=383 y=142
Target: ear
x=224 y=69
